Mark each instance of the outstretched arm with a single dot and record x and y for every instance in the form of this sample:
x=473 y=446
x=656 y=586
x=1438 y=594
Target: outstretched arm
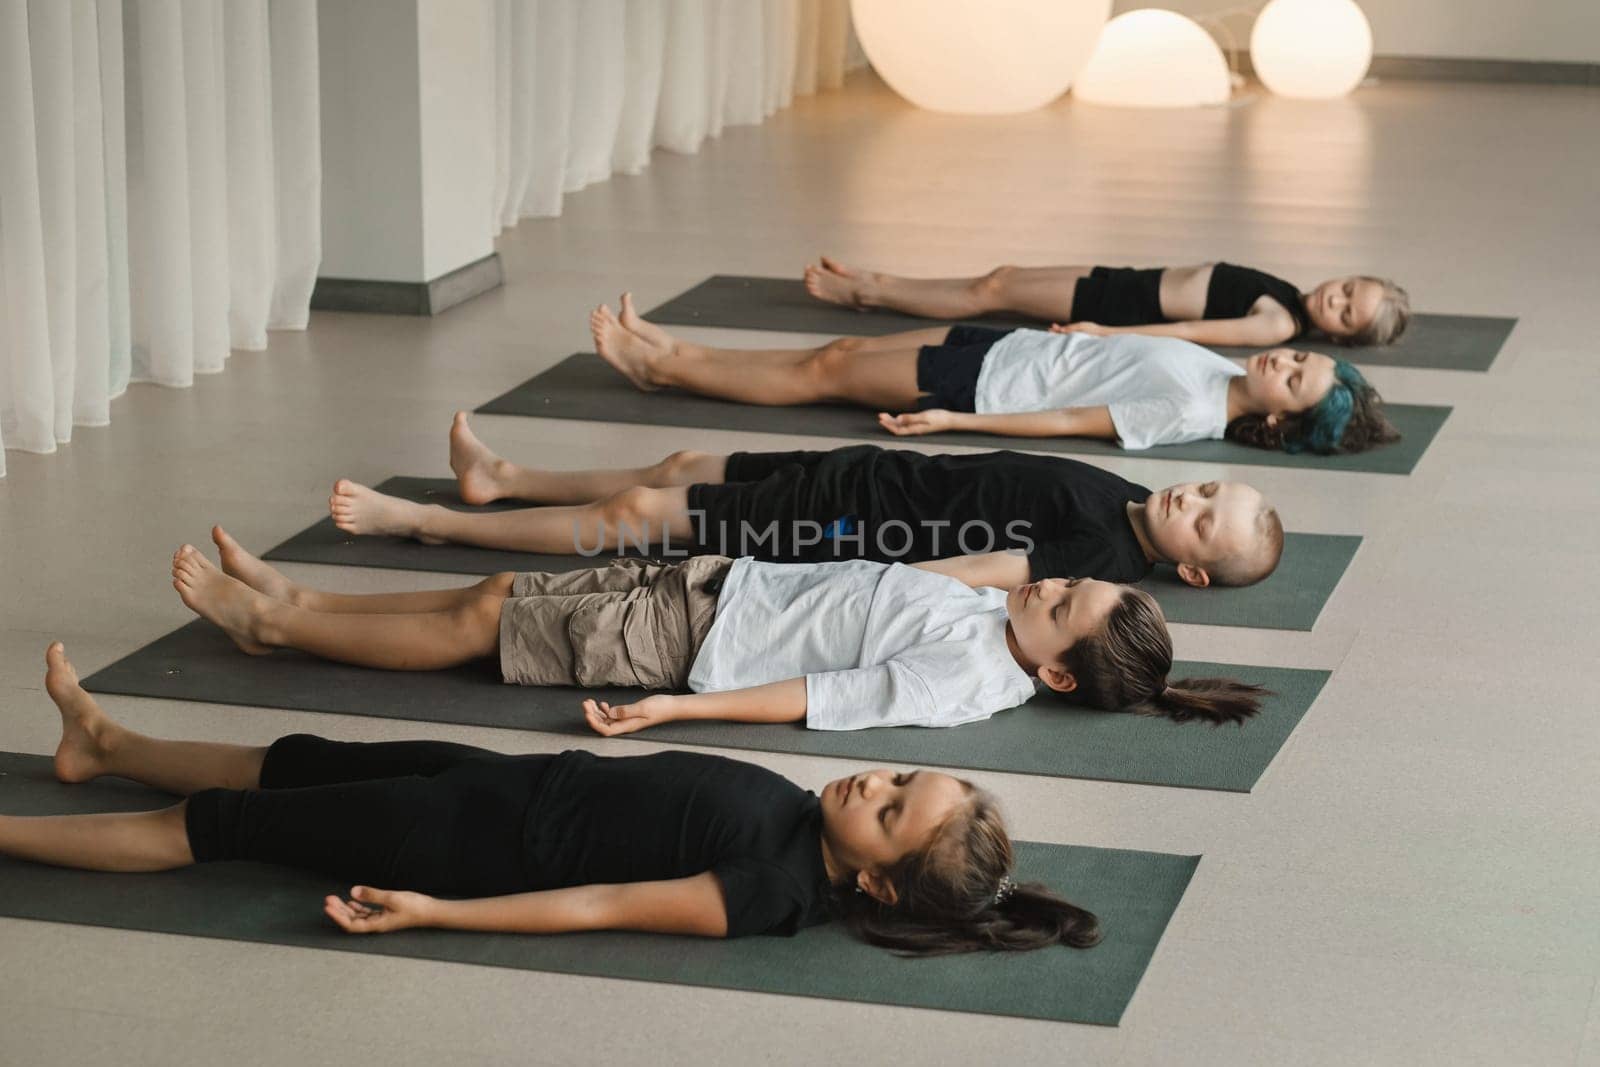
x=1064 y=422
x=998 y=570
x=1258 y=329
x=691 y=905
x=774 y=702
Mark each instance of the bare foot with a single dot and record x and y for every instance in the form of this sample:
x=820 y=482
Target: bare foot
x=477 y=468
x=359 y=510
x=835 y=283
x=85 y=727
x=263 y=578
x=218 y=598
x=633 y=323
x=630 y=353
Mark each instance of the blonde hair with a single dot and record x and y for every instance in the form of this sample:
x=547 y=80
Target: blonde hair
x=1266 y=549
x=1389 y=321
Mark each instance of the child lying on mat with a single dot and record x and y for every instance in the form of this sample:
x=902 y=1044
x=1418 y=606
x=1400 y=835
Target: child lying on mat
x=1140 y=391
x=841 y=646
x=1212 y=304
x=1064 y=517
x=674 y=842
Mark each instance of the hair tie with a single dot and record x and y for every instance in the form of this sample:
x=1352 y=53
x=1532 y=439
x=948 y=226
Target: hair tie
x=1003 y=892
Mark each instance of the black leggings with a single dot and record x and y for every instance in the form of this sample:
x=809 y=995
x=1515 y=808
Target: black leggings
x=421 y=815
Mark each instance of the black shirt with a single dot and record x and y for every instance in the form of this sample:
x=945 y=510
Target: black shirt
x=895 y=505
x=597 y=819
x=1233 y=291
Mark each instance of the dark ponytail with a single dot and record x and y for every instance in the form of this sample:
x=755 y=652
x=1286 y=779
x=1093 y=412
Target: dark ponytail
x=956 y=895
x=1124 y=667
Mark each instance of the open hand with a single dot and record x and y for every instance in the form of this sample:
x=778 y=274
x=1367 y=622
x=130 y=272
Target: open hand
x=378 y=911
x=915 y=423
x=1093 y=328
x=609 y=720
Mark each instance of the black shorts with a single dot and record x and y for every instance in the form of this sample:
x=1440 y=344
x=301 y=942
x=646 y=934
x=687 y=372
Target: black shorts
x=947 y=374
x=1119 y=296
x=783 y=506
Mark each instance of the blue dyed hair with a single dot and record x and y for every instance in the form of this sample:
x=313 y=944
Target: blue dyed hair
x=1322 y=428
x=1349 y=419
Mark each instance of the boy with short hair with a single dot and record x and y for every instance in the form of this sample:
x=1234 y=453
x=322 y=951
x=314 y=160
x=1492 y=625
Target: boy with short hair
x=1064 y=517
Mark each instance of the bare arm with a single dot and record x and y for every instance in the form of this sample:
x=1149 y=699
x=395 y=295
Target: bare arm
x=1064 y=422
x=783 y=701
x=1263 y=328
x=999 y=570
x=691 y=905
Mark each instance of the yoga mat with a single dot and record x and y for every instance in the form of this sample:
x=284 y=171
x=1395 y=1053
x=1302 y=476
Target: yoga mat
x=1435 y=342
x=584 y=386
x=1045 y=736
x=1133 y=893
x=1291 y=599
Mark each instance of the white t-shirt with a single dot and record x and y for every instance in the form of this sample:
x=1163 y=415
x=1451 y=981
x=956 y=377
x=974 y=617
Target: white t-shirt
x=1161 y=390
x=879 y=644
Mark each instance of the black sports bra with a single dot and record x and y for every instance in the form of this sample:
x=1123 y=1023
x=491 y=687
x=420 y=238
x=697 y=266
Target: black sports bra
x=1233 y=291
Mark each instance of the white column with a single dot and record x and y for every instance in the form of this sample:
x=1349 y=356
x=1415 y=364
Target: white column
x=406 y=126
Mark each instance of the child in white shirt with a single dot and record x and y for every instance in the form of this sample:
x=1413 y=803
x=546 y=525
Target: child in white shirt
x=841 y=645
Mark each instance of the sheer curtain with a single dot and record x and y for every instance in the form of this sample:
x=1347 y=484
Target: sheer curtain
x=584 y=89
x=160 y=183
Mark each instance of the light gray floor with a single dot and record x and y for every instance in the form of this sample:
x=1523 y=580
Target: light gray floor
x=1413 y=882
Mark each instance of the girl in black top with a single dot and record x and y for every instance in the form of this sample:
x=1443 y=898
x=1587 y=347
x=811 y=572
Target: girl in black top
x=1210 y=304
x=670 y=843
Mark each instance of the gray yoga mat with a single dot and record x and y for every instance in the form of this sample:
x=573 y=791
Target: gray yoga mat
x=1291 y=599
x=584 y=386
x=1133 y=893
x=1435 y=342
x=1044 y=736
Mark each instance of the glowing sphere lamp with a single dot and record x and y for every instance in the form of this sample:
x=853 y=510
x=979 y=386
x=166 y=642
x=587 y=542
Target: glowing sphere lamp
x=978 y=57
x=1154 y=58
x=1313 y=49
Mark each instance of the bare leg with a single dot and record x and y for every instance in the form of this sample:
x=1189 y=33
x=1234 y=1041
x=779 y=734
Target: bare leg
x=419 y=641
x=1045 y=293
x=238 y=563
x=632 y=517
x=483 y=477
x=94 y=744
x=131 y=841
x=877 y=372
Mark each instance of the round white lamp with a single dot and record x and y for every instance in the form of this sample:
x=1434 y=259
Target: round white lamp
x=993 y=57
x=1154 y=58
x=1313 y=49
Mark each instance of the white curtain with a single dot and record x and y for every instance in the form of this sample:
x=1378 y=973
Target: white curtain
x=584 y=89
x=160 y=185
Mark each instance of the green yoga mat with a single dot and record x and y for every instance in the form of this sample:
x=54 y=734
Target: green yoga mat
x=1045 y=736
x=1133 y=893
x=1291 y=599
x=584 y=386
x=1436 y=342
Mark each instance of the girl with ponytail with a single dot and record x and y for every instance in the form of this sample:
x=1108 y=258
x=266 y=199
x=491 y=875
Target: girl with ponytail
x=958 y=895
x=1124 y=666
x=469 y=839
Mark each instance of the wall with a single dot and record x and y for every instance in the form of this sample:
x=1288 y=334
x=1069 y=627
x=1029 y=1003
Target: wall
x=371 y=190
x=1548 y=30
x=457 y=157
x=405 y=128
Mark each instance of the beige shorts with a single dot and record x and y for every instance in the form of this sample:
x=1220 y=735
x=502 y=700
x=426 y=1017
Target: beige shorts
x=635 y=622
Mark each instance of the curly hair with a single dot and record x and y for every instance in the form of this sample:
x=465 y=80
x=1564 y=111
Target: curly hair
x=1349 y=419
